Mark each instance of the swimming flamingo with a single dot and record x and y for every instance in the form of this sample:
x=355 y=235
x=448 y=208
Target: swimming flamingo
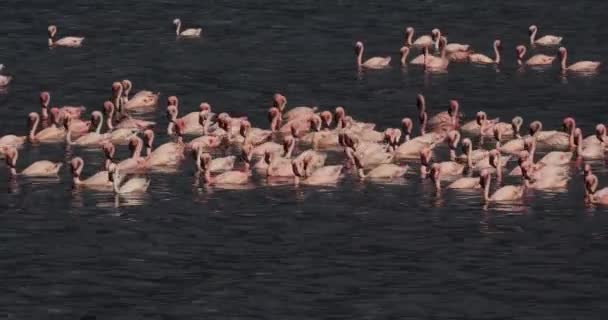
x=191 y=120
x=63 y=42
x=42 y=168
x=546 y=182
x=167 y=154
x=442 y=121
x=371 y=63
x=186 y=33
x=142 y=99
x=595 y=196
x=479 y=58
x=504 y=194
x=590 y=151
x=454 y=47
x=422 y=41
x=99 y=179
x=50 y=134
x=553 y=158
x=404 y=53
x=231 y=177
x=12 y=140
x=547 y=40
x=91 y=138
x=556 y=139
x=460 y=183
x=133 y=163
x=581 y=66
x=535 y=60
x=74 y=112
x=216 y=165
x=598 y=138
x=450 y=168
x=280 y=101
x=435 y=64
x=382 y=171
x=130 y=186
x=321 y=176
x=254 y=136
x=127 y=122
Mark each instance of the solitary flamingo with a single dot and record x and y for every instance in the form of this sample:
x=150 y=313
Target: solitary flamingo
x=63 y=42
x=371 y=63
x=186 y=33
x=581 y=66
x=548 y=40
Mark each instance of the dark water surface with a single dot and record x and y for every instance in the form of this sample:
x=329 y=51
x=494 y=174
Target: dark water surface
x=354 y=251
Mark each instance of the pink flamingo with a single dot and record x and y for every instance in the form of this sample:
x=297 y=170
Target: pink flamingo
x=422 y=41
x=535 y=60
x=232 y=177
x=581 y=66
x=99 y=179
x=280 y=101
x=479 y=58
x=504 y=194
x=460 y=183
x=73 y=42
x=547 y=40
x=442 y=121
x=71 y=111
x=191 y=120
x=42 y=168
x=595 y=196
x=127 y=122
x=371 y=63
x=382 y=171
x=50 y=134
x=142 y=99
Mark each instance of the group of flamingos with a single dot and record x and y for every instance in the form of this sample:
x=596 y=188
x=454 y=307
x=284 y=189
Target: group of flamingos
x=296 y=144
x=457 y=52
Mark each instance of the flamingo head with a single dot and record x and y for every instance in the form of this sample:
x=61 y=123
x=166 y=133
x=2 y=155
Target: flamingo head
x=600 y=131
x=532 y=29
x=404 y=50
x=535 y=127
x=45 y=98
x=52 y=30
x=591 y=183
x=10 y=154
x=279 y=101
x=177 y=21
x=108 y=149
x=453 y=138
x=204 y=106
x=117 y=88
x=127 y=84
x=32 y=117
x=481 y=117
x=520 y=50
x=108 y=107
x=409 y=30
x=172 y=101
x=358 y=47
x=244 y=128
x=498 y=44
x=562 y=51
x=407 y=125
x=339 y=113
x=569 y=124
x=425 y=155
x=327 y=118
x=171 y=112
x=435 y=34
x=315 y=123
x=453 y=109
x=96 y=116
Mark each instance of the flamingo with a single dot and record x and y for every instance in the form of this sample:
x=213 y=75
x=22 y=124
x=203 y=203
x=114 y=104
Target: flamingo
x=547 y=40
x=547 y=182
x=127 y=122
x=167 y=154
x=460 y=183
x=322 y=176
x=191 y=120
x=50 y=134
x=232 y=177
x=42 y=168
x=133 y=185
x=450 y=168
x=505 y=194
x=141 y=100
x=91 y=138
x=216 y=165
x=443 y=121
x=72 y=42
x=72 y=111
x=422 y=41
x=479 y=58
x=371 y=63
x=581 y=66
x=595 y=196
x=535 y=60
x=590 y=151
x=280 y=101
x=382 y=171
x=4 y=80
x=186 y=33
x=99 y=179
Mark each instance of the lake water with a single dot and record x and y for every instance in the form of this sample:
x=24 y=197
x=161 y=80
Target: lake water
x=353 y=251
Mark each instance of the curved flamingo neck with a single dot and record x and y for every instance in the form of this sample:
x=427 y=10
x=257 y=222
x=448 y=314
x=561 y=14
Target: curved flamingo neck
x=563 y=60
x=404 y=55
x=32 y=135
x=520 y=56
x=496 y=54
x=533 y=36
x=423 y=117
x=410 y=37
x=360 y=56
x=99 y=124
x=178 y=28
